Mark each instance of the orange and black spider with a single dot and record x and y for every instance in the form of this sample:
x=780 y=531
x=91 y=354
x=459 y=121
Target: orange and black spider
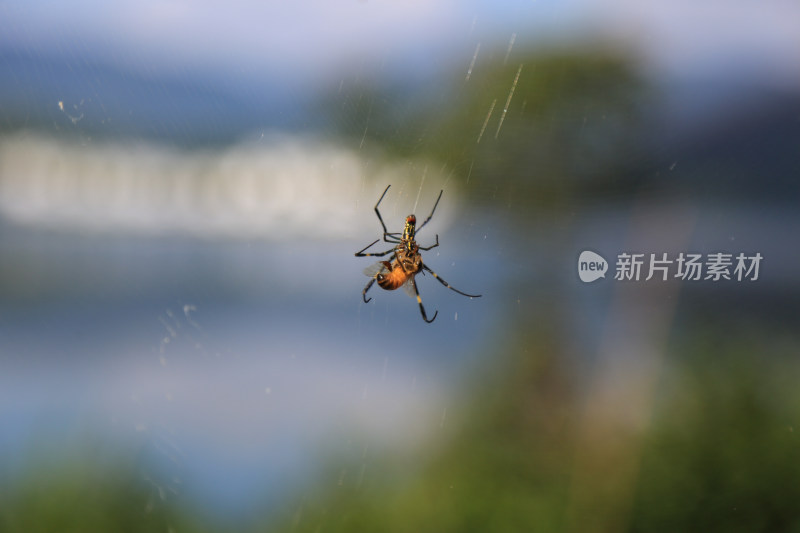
x=405 y=262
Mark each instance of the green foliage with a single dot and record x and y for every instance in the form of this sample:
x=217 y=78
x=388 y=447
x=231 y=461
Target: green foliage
x=536 y=130
x=84 y=490
x=721 y=453
x=724 y=452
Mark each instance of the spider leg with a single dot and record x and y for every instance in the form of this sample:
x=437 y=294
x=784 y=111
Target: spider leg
x=432 y=245
x=393 y=238
x=421 y=307
x=364 y=292
x=361 y=253
x=443 y=282
x=385 y=231
x=367 y=246
x=432 y=210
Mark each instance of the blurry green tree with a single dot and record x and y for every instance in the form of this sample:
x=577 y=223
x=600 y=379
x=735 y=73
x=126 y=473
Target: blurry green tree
x=538 y=130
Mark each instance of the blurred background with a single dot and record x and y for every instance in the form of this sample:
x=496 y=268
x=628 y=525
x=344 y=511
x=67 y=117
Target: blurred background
x=183 y=343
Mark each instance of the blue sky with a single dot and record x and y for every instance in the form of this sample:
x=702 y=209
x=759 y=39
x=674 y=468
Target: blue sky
x=314 y=40
x=168 y=68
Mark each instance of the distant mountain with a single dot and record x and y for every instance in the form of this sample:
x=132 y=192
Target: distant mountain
x=70 y=93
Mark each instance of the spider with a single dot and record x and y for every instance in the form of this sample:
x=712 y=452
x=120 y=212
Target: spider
x=405 y=262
